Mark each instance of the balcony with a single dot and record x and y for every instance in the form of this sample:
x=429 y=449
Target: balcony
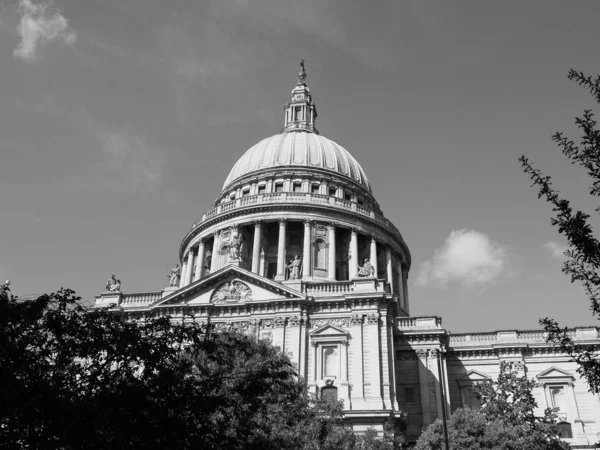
x=304 y=198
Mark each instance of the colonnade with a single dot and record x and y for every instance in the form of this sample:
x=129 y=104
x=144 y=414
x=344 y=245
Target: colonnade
x=197 y=254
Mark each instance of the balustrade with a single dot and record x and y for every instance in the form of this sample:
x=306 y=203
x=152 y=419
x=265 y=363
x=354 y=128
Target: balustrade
x=140 y=298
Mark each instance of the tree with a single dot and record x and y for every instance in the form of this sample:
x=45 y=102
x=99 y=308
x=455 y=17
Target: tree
x=583 y=254
x=74 y=378
x=506 y=420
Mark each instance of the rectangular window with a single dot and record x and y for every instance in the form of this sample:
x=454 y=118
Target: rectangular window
x=298 y=113
x=331 y=361
x=245 y=192
x=409 y=396
x=314 y=188
x=347 y=196
x=559 y=399
x=297 y=187
x=360 y=201
x=278 y=187
x=262 y=189
x=332 y=191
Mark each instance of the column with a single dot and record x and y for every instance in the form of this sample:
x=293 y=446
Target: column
x=256 y=246
x=373 y=257
x=281 y=251
x=215 y=252
x=190 y=266
x=401 y=284
x=183 y=272
x=388 y=265
x=422 y=355
x=261 y=269
x=405 y=290
x=200 y=260
x=353 y=272
x=306 y=267
x=331 y=267
x=374 y=370
x=357 y=375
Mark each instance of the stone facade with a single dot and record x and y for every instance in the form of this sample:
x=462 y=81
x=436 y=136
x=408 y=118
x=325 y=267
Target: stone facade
x=297 y=250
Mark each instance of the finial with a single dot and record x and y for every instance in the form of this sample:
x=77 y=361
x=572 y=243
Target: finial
x=302 y=73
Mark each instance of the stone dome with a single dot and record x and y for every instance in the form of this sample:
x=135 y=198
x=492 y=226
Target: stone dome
x=303 y=149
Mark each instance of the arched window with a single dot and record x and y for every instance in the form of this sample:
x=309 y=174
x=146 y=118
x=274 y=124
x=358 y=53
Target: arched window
x=566 y=432
x=329 y=394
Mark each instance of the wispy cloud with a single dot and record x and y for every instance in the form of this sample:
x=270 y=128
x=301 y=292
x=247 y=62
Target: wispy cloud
x=556 y=250
x=467 y=257
x=38 y=27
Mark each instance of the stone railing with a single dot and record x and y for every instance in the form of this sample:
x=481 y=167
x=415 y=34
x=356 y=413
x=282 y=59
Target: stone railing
x=318 y=289
x=140 y=298
x=525 y=336
x=296 y=197
x=415 y=323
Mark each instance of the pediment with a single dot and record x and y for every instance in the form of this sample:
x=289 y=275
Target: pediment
x=473 y=377
x=554 y=373
x=328 y=330
x=230 y=285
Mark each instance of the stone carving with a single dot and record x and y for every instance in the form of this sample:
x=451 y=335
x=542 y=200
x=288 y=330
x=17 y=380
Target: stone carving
x=267 y=323
x=356 y=319
x=422 y=352
x=236 y=246
x=113 y=285
x=367 y=270
x=174 y=276
x=234 y=291
x=372 y=318
x=295 y=321
x=337 y=322
x=279 y=321
x=294 y=267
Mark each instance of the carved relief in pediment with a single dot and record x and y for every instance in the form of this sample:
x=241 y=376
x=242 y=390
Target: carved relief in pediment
x=232 y=291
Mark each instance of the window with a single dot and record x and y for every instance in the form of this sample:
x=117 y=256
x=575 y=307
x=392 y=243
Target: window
x=297 y=186
x=320 y=254
x=332 y=191
x=409 y=396
x=262 y=189
x=331 y=361
x=278 y=187
x=471 y=400
x=232 y=196
x=566 y=432
x=314 y=188
x=245 y=192
x=558 y=398
x=360 y=201
x=298 y=113
x=347 y=196
x=329 y=394
x=266 y=335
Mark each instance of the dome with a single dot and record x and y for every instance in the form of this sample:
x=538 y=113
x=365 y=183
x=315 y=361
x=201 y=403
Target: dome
x=302 y=149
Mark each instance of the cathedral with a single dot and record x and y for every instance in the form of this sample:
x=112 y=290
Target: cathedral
x=296 y=250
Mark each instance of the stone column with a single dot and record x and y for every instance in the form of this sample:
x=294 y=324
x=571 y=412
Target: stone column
x=353 y=272
x=215 y=253
x=373 y=257
x=200 y=260
x=281 y=250
x=306 y=267
x=400 y=284
x=261 y=269
x=422 y=355
x=331 y=266
x=388 y=266
x=183 y=272
x=256 y=246
x=190 y=266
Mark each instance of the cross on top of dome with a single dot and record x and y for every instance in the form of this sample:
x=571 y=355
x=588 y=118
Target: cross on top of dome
x=300 y=111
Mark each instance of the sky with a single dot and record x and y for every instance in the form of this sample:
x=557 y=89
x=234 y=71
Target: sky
x=119 y=122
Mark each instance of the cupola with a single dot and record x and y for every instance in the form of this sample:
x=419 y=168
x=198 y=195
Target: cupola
x=300 y=111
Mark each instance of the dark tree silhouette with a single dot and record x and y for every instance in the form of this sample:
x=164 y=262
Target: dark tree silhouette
x=72 y=378
x=583 y=254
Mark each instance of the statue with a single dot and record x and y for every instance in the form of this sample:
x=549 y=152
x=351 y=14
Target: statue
x=234 y=291
x=113 y=285
x=367 y=270
x=236 y=246
x=207 y=262
x=294 y=267
x=174 y=276
x=302 y=73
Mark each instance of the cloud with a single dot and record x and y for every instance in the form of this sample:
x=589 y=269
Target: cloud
x=130 y=155
x=467 y=257
x=556 y=250
x=38 y=27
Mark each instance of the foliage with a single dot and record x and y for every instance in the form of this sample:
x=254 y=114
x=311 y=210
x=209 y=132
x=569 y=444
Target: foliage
x=74 y=378
x=506 y=420
x=583 y=255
